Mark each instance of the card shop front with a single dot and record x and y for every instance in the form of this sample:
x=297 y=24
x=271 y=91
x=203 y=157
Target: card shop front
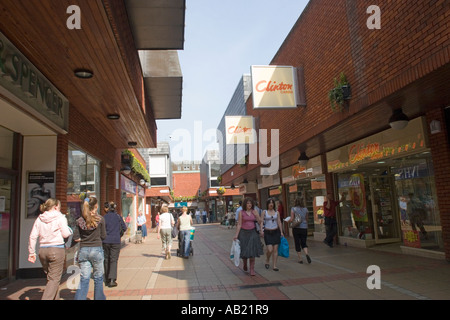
x=389 y=188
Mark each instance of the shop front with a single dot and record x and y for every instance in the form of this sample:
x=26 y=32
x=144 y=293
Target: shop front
x=307 y=183
x=386 y=186
x=129 y=202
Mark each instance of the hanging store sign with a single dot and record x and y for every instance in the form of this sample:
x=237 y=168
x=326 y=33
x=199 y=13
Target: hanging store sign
x=127 y=185
x=275 y=87
x=20 y=77
x=240 y=130
x=384 y=145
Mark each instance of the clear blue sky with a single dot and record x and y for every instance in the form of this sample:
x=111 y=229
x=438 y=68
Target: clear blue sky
x=222 y=40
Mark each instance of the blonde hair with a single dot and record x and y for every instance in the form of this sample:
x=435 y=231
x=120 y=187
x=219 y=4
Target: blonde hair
x=164 y=208
x=88 y=206
x=49 y=204
x=184 y=209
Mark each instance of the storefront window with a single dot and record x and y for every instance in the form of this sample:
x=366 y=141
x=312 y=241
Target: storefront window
x=6 y=148
x=83 y=180
x=417 y=202
x=355 y=216
x=312 y=191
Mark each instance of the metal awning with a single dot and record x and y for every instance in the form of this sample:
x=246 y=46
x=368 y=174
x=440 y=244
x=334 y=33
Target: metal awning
x=163 y=82
x=157 y=24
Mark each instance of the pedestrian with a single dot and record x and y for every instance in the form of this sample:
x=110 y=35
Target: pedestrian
x=157 y=221
x=204 y=213
x=238 y=210
x=90 y=231
x=184 y=225
x=141 y=225
x=300 y=232
x=197 y=215
x=329 y=207
x=51 y=228
x=273 y=231
x=165 y=226
x=112 y=243
x=250 y=242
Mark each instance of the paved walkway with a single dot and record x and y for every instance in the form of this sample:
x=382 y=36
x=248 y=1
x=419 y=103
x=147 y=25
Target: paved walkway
x=338 y=273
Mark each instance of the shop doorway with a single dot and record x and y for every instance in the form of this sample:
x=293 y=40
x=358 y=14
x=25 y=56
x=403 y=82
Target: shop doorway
x=384 y=209
x=6 y=208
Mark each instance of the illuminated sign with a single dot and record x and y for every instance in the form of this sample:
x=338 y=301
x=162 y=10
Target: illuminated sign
x=386 y=144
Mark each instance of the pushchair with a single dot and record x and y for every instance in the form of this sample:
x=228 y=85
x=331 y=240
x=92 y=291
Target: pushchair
x=181 y=244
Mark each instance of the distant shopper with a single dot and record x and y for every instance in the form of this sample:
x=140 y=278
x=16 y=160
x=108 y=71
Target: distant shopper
x=90 y=231
x=273 y=231
x=112 y=243
x=300 y=232
x=184 y=225
x=166 y=223
x=417 y=213
x=329 y=207
x=141 y=225
x=250 y=242
x=51 y=229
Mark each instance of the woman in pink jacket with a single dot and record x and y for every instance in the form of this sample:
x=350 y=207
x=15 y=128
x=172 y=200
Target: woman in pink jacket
x=51 y=229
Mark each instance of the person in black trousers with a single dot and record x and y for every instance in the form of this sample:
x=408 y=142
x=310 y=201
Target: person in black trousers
x=112 y=243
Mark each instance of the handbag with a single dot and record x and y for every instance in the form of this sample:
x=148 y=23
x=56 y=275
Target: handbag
x=283 y=248
x=297 y=220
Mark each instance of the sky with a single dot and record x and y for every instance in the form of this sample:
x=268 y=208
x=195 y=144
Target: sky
x=222 y=40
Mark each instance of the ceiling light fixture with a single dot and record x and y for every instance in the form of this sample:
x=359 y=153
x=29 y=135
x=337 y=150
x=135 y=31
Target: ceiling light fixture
x=84 y=73
x=113 y=116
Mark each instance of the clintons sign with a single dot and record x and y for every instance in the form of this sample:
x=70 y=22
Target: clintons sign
x=240 y=129
x=276 y=87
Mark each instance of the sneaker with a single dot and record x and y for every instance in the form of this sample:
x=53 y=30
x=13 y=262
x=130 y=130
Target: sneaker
x=308 y=258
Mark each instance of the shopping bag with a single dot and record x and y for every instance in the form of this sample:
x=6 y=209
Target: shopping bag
x=283 y=248
x=235 y=252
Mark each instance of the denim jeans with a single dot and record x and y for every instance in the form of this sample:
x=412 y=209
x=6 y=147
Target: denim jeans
x=91 y=257
x=186 y=241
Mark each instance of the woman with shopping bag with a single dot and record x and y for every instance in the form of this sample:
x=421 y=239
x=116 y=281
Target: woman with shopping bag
x=246 y=233
x=300 y=231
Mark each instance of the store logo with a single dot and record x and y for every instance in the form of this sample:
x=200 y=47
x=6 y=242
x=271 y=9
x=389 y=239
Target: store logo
x=74 y=21
x=272 y=86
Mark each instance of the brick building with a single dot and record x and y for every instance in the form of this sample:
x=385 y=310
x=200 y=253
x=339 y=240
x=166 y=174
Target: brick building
x=72 y=100
x=403 y=65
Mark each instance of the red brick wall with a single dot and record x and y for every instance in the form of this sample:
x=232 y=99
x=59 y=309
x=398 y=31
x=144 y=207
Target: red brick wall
x=440 y=153
x=331 y=37
x=89 y=139
x=186 y=184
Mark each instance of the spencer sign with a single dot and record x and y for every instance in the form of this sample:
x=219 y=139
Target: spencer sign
x=274 y=87
x=20 y=77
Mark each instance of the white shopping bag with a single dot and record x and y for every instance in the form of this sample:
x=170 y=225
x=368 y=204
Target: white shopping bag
x=235 y=252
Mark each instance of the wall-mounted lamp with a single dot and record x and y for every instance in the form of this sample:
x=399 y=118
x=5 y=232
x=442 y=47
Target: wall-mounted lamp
x=398 y=120
x=435 y=126
x=126 y=170
x=83 y=73
x=245 y=181
x=233 y=186
x=303 y=159
x=142 y=182
x=147 y=184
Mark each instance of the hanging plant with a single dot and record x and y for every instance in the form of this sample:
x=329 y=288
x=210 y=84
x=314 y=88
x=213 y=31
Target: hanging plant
x=136 y=166
x=221 y=190
x=340 y=93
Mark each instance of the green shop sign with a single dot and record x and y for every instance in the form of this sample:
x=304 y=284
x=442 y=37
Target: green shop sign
x=20 y=77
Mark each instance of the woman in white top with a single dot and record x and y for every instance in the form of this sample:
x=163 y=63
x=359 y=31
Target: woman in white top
x=184 y=224
x=273 y=231
x=165 y=225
